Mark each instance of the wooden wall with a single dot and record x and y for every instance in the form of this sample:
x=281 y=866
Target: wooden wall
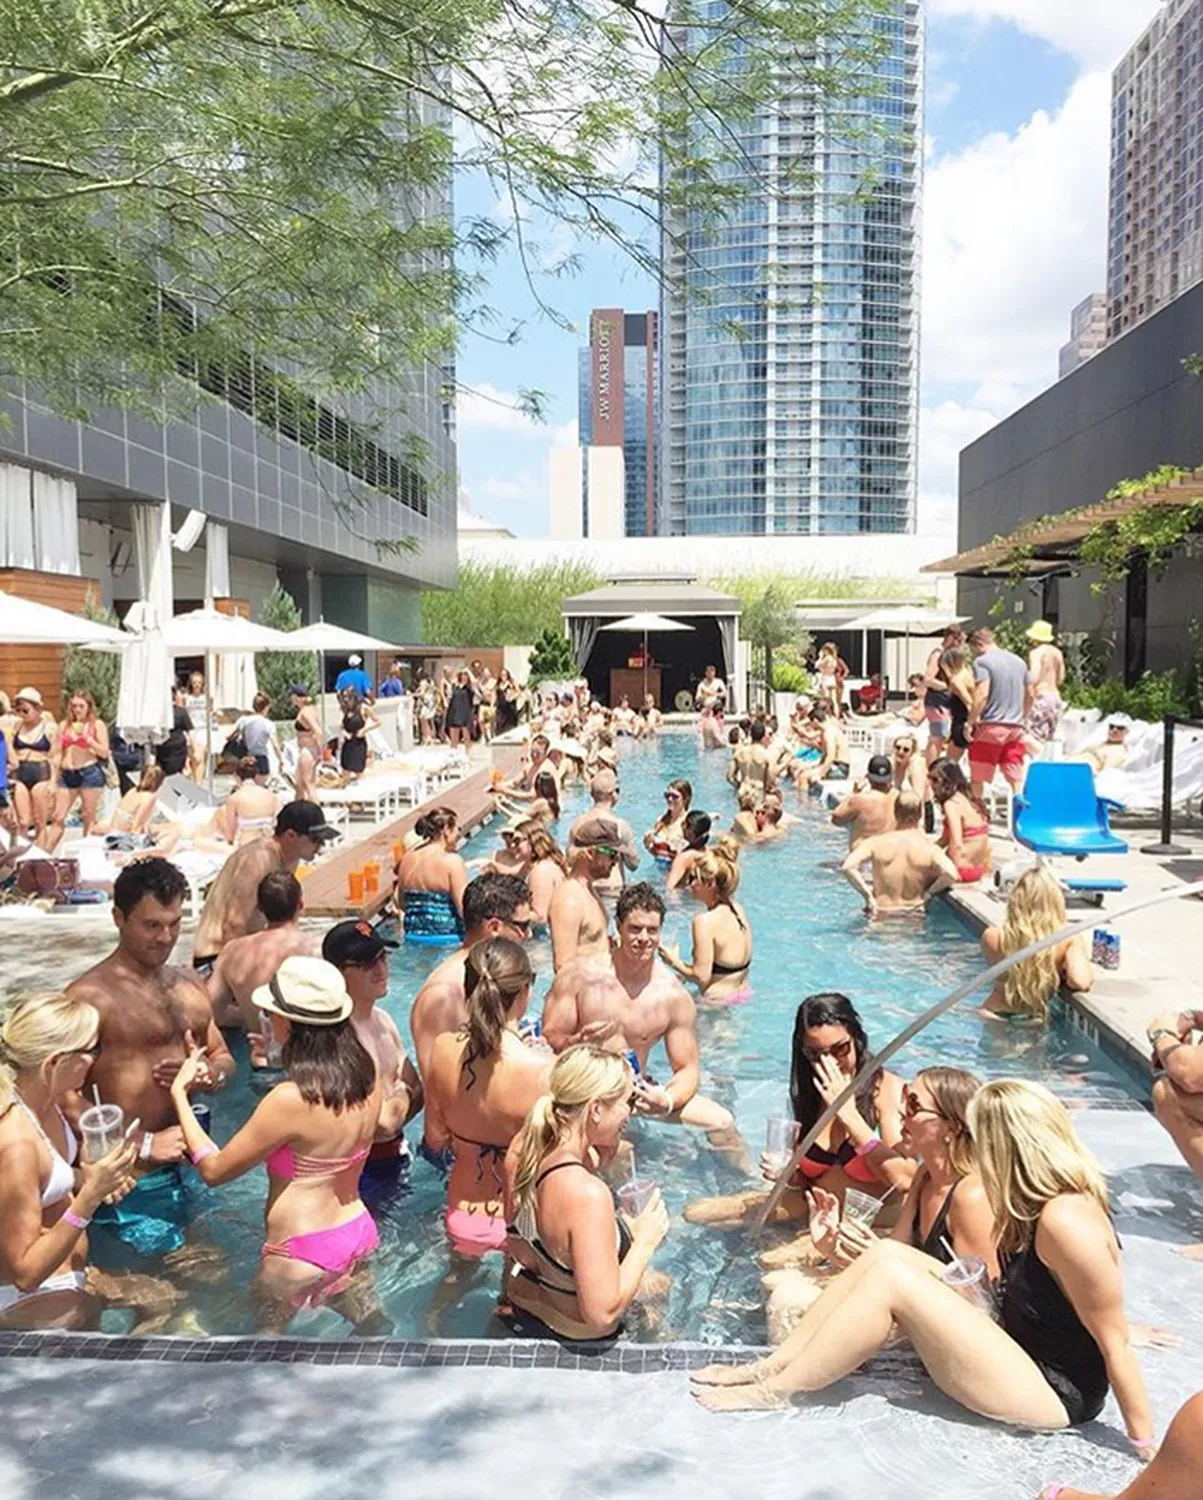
x=40 y=666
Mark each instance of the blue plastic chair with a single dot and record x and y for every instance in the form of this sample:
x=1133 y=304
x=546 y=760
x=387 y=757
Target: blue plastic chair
x=1059 y=812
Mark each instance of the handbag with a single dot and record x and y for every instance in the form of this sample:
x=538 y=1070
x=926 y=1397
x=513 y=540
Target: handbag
x=48 y=877
x=234 y=748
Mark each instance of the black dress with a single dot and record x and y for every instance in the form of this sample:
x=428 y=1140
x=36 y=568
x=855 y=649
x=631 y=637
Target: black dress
x=460 y=708
x=353 y=757
x=507 y=711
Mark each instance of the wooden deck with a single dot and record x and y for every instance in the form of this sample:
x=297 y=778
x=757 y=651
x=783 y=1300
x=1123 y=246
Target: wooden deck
x=326 y=893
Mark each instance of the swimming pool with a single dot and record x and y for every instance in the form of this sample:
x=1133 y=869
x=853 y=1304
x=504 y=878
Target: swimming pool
x=810 y=935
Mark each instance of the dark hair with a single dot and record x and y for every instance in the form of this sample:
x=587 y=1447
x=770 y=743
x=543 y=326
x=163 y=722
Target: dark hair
x=157 y=878
x=246 y=768
x=696 y=829
x=493 y=896
x=495 y=974
x=436 y=822
x=734 y=735
x=757 y=731
x=329 y=1065
x=820 y=713
x=261 y=703
x=639 y=897
x=830 y=1009
x=278 y=896
x=946 y=775
x=547 y=787
x=686 y=792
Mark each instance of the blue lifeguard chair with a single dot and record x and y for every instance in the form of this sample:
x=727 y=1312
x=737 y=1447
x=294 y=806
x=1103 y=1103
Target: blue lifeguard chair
x=1059 y=813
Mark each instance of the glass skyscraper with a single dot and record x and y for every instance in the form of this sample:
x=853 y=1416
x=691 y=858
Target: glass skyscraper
x=623 y=358
x=791 y=328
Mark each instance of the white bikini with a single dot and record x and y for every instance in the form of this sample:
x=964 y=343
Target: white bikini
x=59 y=1185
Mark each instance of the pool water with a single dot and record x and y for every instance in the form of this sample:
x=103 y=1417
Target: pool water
x=810 y=935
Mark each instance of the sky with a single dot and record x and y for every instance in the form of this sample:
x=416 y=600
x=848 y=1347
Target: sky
x=1013 y=236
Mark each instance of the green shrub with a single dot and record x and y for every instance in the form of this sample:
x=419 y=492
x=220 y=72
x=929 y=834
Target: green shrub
x=278 y=670
x=788 y=678
x=552 y=659
x=95 y=672
x=503 y=604
x=1154 y=696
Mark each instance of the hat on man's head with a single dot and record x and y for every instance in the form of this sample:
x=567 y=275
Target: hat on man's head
x=880 y=770
x=601 y=832
x=28 y=695
x=355 y=661
x=307 y=991
x=607 y=756
x=1119 y=721
x=1041 y=633
x=306 y=819
x=355 y=942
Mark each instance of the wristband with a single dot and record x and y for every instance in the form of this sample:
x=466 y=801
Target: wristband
x=75 y=1220
x=208 y=1149
x=147 y=1146
x=1142 y=1443
x=870 y=1145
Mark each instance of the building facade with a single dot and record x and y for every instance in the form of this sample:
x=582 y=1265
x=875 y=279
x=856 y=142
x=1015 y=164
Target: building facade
x=1087 y=333
x=790 y=330
x=1155 y=229
x=619 y=400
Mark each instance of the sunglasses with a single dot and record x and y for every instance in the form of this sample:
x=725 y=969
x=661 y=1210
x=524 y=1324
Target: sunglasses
x=913 y=1107
x=841 y=1051
x=522 y=927
x=672 y=796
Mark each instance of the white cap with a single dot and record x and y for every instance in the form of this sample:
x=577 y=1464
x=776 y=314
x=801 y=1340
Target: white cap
x=357 y=661
x=1119 y=721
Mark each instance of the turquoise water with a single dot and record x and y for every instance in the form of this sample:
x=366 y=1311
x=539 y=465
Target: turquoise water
x=810 y=935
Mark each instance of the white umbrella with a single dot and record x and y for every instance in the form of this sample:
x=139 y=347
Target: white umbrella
x=645 y=625
x=203 y=631
x=908 y=620
x=325 y=639
x=24 y=623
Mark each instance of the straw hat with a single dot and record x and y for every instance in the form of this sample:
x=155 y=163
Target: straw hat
x=28 y=695
x=1041 y=633
x=306 y=990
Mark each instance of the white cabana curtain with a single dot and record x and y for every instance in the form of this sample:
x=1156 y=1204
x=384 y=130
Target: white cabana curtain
x=144 y=707
x=55 y=524
x=234 y=682
x=16 y=517
x=582 y=632
x=217 y=562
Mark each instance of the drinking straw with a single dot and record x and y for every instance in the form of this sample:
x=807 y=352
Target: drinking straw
x=957 y=1263
x=130 y=1128
x=96 y=1095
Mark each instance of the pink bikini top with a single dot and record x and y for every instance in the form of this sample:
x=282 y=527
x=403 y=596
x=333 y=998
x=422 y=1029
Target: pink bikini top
x=285 y=1163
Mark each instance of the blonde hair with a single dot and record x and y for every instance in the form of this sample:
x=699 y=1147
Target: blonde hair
x=37 y=1025
x=1028 y=1154
x=1035 y=910
x=542 y=845
x=953 y=1091
x=580 y=1076
x=746 y=797
x=717 y=868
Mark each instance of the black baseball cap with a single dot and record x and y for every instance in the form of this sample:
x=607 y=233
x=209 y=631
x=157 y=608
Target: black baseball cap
x=880 y=768
x=355 y=942
x=306 y=819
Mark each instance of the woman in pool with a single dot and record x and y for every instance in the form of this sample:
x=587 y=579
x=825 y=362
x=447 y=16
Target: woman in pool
x=83 y=750
x=580 y=1264
x=431 y=880
x=829 y=1048
x=548 y=868
x=1062 y=1336
x=697 y=836
x=667 y=838
x=966 y=832
x=744 y=825
x=47 y=1043
x=513 y=857
x=249 y=812
x=1035 y=910
x=722 y=935
x=313 y=1132
x=308 y=727
x=946 y=1212
x=481 y=1083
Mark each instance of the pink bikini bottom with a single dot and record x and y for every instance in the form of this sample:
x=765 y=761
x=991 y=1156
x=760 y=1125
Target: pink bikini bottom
x=472 y=1234
x=332 y=1250
x=741 y=996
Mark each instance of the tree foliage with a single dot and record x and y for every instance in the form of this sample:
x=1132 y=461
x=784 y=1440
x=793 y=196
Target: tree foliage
x=222 y=189
x=278 y=671
x=503 y=604
x=552 y=659
x=95 y=672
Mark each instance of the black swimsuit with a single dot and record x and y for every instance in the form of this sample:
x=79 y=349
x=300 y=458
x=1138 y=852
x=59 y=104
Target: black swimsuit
x=717 y=968
x=933 y=1244
x=1040 y=1318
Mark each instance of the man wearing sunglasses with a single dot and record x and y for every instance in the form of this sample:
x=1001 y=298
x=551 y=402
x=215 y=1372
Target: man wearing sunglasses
x=604 y=789
x=578 y=921
x=494 y=906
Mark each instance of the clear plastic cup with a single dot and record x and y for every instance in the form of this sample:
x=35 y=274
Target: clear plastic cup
x=273 y=1050
x=861 y=1208
x=100 y=1130
x=781 y=1136
x=967 y=1277
x=634 y=1196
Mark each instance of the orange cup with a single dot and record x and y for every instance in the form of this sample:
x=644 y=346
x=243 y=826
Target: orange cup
x=371 y=881
x=398 y=851
x=355 y=885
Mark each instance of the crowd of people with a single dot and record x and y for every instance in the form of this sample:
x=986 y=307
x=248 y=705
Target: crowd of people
x=988 y=1244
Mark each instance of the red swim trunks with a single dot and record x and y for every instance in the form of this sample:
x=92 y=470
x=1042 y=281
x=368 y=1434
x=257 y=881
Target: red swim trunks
x=997 y=747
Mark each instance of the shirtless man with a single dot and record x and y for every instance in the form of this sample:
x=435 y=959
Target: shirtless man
x=752 y=763
x=1112 y=754
x=150 y=1014
x=603 y=788
x=248 y=962
x=494 y=906
x=230 y=909
x=360 y=955
x=869 y=810
x=833 y=761
x=576 y=916
x=631 y=1005
x=908 y=869
x=1046 y=666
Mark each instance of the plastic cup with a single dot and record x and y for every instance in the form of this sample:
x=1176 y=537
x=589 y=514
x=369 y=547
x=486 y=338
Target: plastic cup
x=633 y=1196
x=371 y=882
x=781 y=1136
x=355 y=885
x=273 y=1051
x=861 y=1208
x=101 y=1128
x=967 y=1277
x=398 y=852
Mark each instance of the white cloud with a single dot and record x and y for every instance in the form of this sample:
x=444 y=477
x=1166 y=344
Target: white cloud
x=1096 y=33
x=486 y=406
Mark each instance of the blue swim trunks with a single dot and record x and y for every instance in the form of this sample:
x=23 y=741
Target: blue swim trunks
x=431 y=918
x=152 y=1217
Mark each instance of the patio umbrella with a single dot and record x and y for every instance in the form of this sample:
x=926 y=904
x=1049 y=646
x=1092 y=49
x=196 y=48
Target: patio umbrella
x=645 y=625
x=24 y=623
x=324 y=638
x=908 y=620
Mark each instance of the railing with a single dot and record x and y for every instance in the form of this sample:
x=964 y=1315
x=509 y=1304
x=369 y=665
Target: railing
x=1167 y=846
x=979 y=981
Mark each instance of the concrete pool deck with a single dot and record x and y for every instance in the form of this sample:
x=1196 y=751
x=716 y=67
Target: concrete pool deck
x=368 y=1424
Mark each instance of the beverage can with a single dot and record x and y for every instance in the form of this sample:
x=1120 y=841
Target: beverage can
x=204 y=1117
x=1105 y=948
x=633 y=1061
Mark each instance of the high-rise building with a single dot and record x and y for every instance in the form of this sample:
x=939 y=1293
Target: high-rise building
x=791 y=329
x=1155 y=229
x=1087 y=333
x=620 y=405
